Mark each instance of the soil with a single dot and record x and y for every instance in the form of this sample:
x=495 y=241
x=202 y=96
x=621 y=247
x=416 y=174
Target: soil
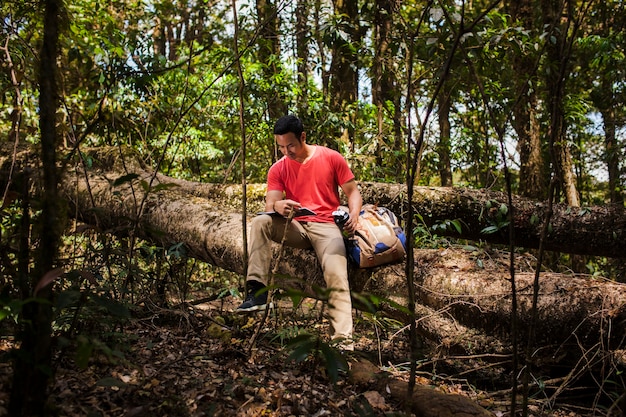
x=198 y=361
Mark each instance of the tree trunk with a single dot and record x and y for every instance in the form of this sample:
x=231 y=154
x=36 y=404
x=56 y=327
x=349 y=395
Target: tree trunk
x=594 y=230
x=468 y=283
x=444 y=146
x=558 y=57
x=269 y=50
x=533 y=175
x=385 y=92
x=344 y=66
x=32 y=366
x=471 y=284
x=302 y=52
x=613 y=156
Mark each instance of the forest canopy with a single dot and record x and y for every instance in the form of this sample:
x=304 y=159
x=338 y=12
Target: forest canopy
x=476 y=86
x=526 y=98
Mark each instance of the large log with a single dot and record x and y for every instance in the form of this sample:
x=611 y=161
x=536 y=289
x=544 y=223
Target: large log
x=595 y=230
x=577 y=309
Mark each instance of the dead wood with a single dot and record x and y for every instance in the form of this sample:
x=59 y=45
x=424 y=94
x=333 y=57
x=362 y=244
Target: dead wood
x=578 y=309
x=424 y=401
x=597 y=230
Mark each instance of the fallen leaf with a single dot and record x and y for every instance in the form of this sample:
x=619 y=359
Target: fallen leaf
x=376 y=400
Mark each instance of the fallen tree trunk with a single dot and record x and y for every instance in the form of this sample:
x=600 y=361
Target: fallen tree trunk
x=579 y=309
x=595 y=231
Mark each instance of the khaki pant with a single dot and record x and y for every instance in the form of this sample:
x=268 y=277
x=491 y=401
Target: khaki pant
x=327 y=241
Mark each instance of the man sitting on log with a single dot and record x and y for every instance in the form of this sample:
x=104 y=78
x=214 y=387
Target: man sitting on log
x=306 y=176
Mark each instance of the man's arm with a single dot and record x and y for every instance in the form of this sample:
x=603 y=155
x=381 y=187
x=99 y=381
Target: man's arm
x=351 y=190
x=271 y=197
x=274 y=202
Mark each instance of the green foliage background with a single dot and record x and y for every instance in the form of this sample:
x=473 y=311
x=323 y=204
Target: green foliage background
x=177 y=104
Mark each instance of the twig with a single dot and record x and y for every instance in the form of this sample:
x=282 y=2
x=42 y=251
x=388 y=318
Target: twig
x=270 y=292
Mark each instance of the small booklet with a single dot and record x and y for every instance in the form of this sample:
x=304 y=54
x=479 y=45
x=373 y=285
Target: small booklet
x=303 y=211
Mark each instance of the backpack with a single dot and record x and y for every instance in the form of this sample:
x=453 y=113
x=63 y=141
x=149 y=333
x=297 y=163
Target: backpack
x=378 y=239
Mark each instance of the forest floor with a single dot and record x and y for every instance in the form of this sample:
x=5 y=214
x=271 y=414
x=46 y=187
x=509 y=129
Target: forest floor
x=198 y=362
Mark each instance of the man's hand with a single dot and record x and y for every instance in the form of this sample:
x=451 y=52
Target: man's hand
x=351 y=224
x=284 y=207
x=354 y=205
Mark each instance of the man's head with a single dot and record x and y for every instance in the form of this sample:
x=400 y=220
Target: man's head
x=289 y=124
x=291 y=138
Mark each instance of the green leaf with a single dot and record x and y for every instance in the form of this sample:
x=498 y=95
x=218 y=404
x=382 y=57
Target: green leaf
x=489 y=230
x=164 y=186
x=457 y=225
x=177 y=250
x=295 y=295
x=365 y=301
x=334 y=362
x=47 y=279
x=302 y=346
x=67 y=298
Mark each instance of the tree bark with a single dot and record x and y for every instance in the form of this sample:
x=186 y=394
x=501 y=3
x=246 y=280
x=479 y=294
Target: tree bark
x=32 y=367
x=595 y=230
x=533 y=176
x=444 y=146
x=557 y=17
x=303 y=31
x=269 y=49
x=344 y=85
x=385 y=91
x=613 y=152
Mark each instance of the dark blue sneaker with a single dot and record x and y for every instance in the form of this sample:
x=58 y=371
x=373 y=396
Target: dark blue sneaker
x=256 y=299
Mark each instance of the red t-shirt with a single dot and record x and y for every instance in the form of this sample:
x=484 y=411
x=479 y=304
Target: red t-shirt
x=314 y=184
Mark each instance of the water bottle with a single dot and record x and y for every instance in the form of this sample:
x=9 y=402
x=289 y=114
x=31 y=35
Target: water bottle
x=341 y=217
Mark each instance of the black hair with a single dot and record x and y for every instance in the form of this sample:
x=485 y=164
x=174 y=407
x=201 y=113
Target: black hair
x=289 y=123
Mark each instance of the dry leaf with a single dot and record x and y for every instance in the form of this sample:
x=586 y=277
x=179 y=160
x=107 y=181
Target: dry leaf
x=376 y=400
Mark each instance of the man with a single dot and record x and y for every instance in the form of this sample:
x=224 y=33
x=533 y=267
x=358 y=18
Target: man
x=306 y=176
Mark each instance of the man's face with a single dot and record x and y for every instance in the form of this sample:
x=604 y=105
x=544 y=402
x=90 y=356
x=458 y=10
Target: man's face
x=291 y=146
